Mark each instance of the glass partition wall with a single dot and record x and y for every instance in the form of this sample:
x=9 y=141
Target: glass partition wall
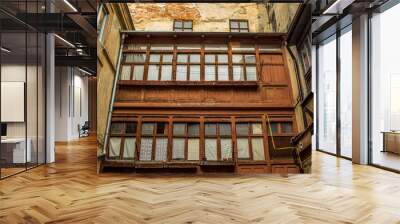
x=334 y=83
x=385 y=89
x=22 y=77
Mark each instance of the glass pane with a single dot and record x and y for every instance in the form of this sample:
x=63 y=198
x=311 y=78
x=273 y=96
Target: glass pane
x=187 y=24
x=226 y=148
x=211 y=129
x=242 y=129
x=234 y=24
x=251 y=73
x=178 y=148
x=181 y=72
x=237 y=58
x=161 y=149
x=136 y=46
x=243 y=148
x=223 y=74
x=167 y=58
x=146 y=148
x=250 y=59
x=209 y=73
x=385 y=89
x=115 y=147
x=153 y=72
x=195 y=58
x=162 y=47
x=178 y=24
x=346 y=94
x=216 y=47
x=211 y=149
x=193 y=130
x=257 y=128
x=327 y=98
x=194 y=73
x=179 y=129
x=189 y=47
x=129 y=148
x=235 y=30
x=182 y=58
x=135 y=58
x=162 y=128
x=210 y=58
x=155 y=58
x=287 y=127
x=138 y=72
x=166 y=72
x=274 y=128
x=243 y=24
x=147 y=128
x=238 y=73
x=225 y=129
x=193 y=149
x=222 y=58
x=131 y=128
x=258 y=148
x=242 y=47
x=117 y=128
x=269 y=48
x=126 y=72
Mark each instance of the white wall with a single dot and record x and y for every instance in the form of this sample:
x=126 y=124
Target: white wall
x=71 y=102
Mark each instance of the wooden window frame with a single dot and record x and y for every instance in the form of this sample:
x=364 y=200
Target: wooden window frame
x=154 y=136
x=202 y=52
x=182 y=29
x=240 y=29
x=188 y=64
x=122 y=136
x=218 y=137
x=186 y=137
x=245 y=64
x=250 y=135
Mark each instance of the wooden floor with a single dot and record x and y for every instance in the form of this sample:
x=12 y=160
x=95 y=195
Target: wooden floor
x=70 y=191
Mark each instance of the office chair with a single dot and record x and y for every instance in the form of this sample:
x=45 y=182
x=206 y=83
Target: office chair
x=84 y=130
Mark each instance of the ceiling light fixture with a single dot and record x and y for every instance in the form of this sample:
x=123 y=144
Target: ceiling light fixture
x=337 y=7
x=84 y=71
x=65 y=41
x=5 y=50
x=70 y=5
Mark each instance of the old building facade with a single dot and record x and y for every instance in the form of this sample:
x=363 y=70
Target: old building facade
x=206 y=88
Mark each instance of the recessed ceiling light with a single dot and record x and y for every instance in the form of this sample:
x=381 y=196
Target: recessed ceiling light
x=70 y=5
x=84 y=71
x=65 y=41
x=5 y=50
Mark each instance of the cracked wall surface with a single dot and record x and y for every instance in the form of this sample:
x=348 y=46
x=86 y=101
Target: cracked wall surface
x=213 y=17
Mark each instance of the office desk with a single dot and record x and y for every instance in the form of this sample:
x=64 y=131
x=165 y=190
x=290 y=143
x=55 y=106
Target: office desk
x=13 y=150
x=391 y=142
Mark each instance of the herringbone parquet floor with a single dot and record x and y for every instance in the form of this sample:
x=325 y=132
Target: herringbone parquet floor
x=70 y=191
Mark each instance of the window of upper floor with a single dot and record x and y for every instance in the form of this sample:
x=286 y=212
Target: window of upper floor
x=239 y=26
x=102 y=20
x=183 y=25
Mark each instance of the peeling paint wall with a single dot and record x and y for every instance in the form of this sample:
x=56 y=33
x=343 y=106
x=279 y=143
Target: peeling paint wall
x=212 y=17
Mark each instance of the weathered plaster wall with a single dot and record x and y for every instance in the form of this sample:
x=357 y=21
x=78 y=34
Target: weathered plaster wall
x=107 y=55
x=212 y=17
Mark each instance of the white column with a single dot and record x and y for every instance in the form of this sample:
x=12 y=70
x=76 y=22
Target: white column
x=360 y=90
x=50 y=99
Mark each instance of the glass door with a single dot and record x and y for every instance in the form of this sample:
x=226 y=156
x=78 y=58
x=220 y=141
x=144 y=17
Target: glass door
x=385 y=89
x=326 y=96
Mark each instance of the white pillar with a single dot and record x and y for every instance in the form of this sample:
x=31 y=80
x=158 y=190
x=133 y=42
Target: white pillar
x=50 y=99
x=360 y=90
